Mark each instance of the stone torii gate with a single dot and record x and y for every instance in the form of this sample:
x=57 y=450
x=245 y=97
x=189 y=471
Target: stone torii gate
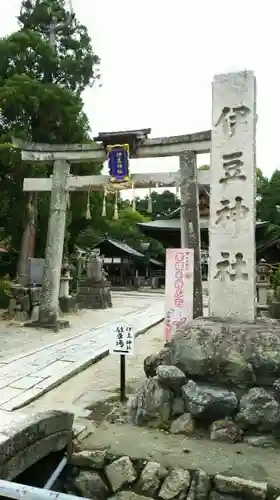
x=62 y=182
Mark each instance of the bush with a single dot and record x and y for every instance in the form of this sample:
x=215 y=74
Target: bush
x=5 y=293
x=275 y=278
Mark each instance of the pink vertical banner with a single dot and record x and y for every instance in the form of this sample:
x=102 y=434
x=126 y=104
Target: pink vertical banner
x=179 y=278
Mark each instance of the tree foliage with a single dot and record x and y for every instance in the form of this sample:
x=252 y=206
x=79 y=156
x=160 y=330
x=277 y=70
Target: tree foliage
x=40 y=100
x=268 y=204
x=125 y=228
x=204 y=168
x=162 y=203
x=73 y=65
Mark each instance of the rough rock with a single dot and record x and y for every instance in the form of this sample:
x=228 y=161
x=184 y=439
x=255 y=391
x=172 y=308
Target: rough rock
x=276 y=385
x=183 y=425
x=154 y=360
x=246 y=470
x=151 y=477
x=240 y=486
x=200 y=486
x=227 y=352
x=226 y=431
x=177 y=481
x=90 y=485
x=215 y=495
x=152 y=403
x=121 y=472
x=127 y=495
x=89 y=459
x=178 y=407
x=206 y=347
x=208 y=402
x=170 y=377
x=259 y=409
x=262 y=441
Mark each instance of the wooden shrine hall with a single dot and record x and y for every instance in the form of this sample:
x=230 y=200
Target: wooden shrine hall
x=126 y=266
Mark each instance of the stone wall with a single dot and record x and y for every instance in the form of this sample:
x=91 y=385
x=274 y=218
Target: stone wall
x=100 y=475
x=216 y=379
x=24 y=303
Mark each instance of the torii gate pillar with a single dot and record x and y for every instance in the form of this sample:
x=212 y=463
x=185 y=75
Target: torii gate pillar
x=49 y=302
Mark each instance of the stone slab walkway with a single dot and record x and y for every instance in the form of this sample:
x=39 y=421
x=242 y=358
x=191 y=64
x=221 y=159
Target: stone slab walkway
x=100 y=381
x=15 y=339
x=27 y=376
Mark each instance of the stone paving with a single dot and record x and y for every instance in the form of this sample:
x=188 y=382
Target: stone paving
x=27 y=376
x=100 y=380
x=16 y=339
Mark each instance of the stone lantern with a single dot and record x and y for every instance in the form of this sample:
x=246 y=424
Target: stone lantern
x=66 y=302
x=145 y=246
x=263 y=274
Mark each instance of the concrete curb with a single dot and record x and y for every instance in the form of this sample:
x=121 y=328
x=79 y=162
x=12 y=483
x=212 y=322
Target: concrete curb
x=74 y=371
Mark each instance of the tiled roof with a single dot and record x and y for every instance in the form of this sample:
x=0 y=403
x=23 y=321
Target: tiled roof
x=125 y=247
x=174 y=224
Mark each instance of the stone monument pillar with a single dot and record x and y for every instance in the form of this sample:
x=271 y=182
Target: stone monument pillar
x=232 y=266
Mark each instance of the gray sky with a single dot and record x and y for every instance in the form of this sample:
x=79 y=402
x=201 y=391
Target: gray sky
x=159 y=58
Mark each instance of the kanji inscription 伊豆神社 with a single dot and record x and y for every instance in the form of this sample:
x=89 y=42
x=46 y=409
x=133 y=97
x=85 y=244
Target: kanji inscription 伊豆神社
x=233 y=198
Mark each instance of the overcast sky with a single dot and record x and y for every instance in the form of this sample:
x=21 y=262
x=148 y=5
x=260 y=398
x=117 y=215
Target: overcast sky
x=159 y=58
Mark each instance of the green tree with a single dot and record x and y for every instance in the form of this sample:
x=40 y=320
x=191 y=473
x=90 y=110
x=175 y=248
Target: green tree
x=74 y=65
x=268 y=205
x=162 y=203
x=204 y=167
x=40 y=100
x=125 y=228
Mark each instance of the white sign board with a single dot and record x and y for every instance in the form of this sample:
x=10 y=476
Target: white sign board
x=179 y=282
x=122 y=340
